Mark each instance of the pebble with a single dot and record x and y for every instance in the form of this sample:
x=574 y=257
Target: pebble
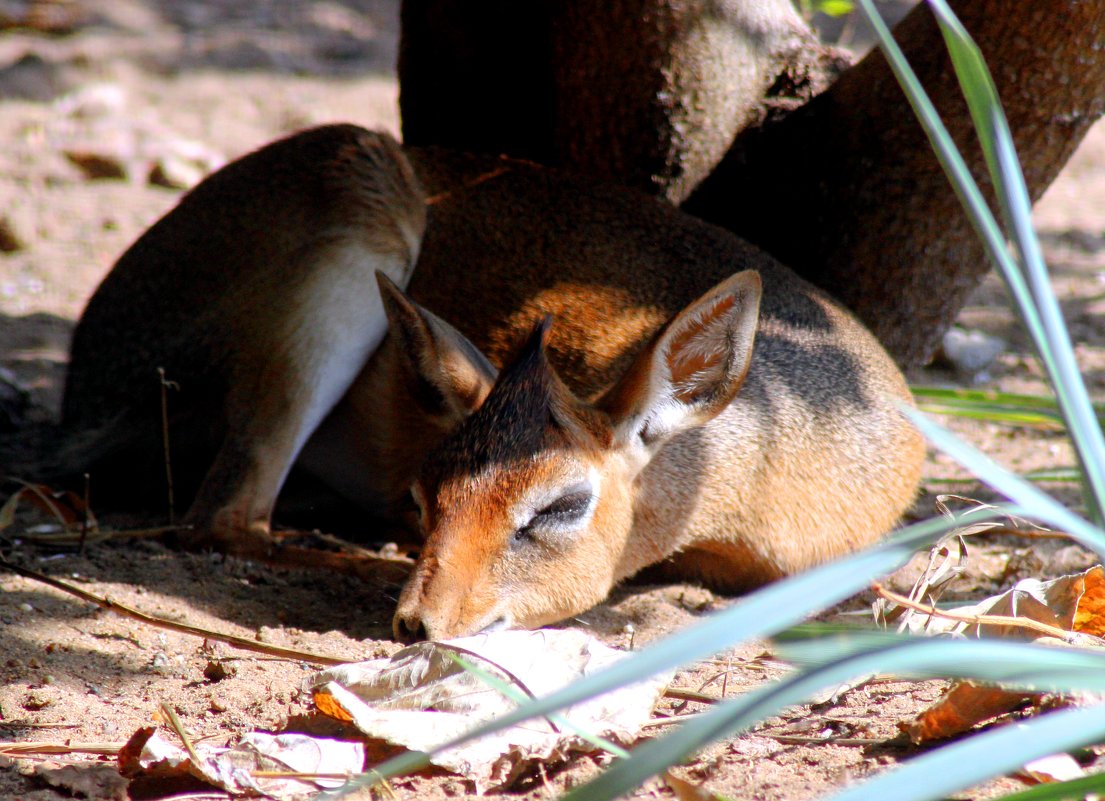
x=971 y=352
x=11 y=241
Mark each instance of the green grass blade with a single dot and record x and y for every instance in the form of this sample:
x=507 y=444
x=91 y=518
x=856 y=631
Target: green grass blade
x=1000 y=407
x=1037 y=504
x=515 y=694
x=1005 y=172
x=1072 y=790
x=1015 y=664
x=983 y=756
x=993 y=413
x=1008 y=663
x=1016 y=400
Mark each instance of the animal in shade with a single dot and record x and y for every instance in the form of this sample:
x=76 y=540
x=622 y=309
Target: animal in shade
x=578 y=381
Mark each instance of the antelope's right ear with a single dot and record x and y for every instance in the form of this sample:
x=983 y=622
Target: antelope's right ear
x=692 y=369
x=449 y=375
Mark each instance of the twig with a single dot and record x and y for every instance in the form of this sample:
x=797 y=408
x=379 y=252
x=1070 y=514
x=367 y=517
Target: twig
x=26 y=724
x=671 y=721
x=70 y=537
x=182 y=733
x=992 y=620
x=433 y=200
x=165 y=439
x=50 y=749
x=229 y=639
x=84 y=512
x=790 y=739
x=690 y=695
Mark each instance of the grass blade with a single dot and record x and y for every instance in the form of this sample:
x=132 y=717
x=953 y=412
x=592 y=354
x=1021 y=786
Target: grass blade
x=1035 y=503
x=1015 y=664
x=983 y=756
x=1072 y=790
x=1037 y=411
x=1052 y=340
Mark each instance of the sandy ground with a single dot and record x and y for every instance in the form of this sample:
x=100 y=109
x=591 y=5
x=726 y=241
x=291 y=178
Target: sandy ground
x=173 y=88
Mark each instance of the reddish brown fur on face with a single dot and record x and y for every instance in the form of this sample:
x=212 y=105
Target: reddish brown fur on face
x=472 y=486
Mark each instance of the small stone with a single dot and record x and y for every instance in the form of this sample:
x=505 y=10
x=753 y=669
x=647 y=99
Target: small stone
x=216 y=670
x=971 y=352
x=36 y=700
x=174 y=173
x=96 y=166
x=10 y=239
x=31 y=78
x=93 y=101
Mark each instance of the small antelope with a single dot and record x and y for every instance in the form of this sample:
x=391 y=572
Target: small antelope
x=624 y=386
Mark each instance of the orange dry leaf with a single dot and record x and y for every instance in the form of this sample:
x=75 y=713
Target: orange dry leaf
x=688 y=791
x=1089 y=614
x=1074 y=604
x=329 y=705
x=962 y=707
x=65 y=507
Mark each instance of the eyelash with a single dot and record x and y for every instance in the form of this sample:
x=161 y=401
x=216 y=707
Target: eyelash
x=564 y=509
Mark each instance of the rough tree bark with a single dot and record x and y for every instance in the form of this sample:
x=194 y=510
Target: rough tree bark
x=846 y=190
x=842 y=188
x=646 y=93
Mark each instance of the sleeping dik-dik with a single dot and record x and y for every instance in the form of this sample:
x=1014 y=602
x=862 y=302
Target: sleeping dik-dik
x=577 y=382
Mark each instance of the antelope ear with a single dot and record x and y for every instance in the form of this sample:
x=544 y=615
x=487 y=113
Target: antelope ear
x=692 y=369
x=449 y=375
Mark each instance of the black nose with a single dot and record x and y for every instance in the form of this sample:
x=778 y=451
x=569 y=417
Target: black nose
x=408 y=629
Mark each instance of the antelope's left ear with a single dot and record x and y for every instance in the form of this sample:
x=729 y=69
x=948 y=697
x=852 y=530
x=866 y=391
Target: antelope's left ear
x=692 y=369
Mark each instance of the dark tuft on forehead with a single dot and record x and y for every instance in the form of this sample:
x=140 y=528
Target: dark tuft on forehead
x=515 y=422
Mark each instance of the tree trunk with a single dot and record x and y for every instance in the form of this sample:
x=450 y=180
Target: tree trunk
x=843 y=188
x=846 y=190
x=646 y=93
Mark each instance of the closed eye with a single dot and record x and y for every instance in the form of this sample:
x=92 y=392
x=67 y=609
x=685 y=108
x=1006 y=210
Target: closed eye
x=566 y=508
x=564 y=514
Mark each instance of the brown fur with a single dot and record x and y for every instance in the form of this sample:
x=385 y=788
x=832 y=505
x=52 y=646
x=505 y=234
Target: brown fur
x=251 y=295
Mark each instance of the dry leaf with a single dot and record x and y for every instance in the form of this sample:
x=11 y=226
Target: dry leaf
x=688 y=791
x=962 y=707
x=65 y=507
x=1074 y=604
x=1054 y=768
x=237 y=769
x=1089 y=613
x=94 y=782
x=421 y=697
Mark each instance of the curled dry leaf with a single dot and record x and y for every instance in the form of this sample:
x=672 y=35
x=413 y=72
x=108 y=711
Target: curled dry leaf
x=688 y=791
x=94 y=782
x=64 y=508
x=305 y=764
x=1071 y=607
x=1073 y=604
x=966 y=704
x=1054 y=768
x=421 y=697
